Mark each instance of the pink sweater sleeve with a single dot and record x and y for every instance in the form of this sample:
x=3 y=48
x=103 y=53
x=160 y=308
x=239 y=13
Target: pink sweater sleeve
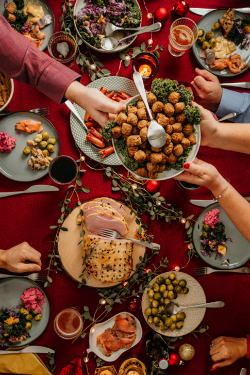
x=21 y=60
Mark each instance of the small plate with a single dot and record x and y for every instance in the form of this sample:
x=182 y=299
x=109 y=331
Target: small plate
x=79 y=133
x=238 y=251
x=195 y=296
x=15 y=165
x=49 y=29
x=11 y=290
x=100 y=328
x=206 y=23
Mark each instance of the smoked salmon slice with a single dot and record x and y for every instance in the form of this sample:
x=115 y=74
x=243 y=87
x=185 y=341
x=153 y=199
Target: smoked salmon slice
x=29 y=126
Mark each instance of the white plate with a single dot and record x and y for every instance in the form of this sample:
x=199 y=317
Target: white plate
x=80 y=4
x=100 y=328
x=166 y=174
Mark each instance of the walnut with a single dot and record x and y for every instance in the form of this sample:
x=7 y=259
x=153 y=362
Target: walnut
x=168 y=149
x=180 y=118
x=157 y=107
x=192 y=139
x=132 y=119
x=179 y=107
x=121 y=118
x=174 y=97
x=172 y=159
x=185 y=143
x=188 y=130
x=168 y=109
x=178 y=150
x=177 y=137
x=177 y=128
x=140 y=156
x=144 y=134
x=156 y=158
x=142 y=124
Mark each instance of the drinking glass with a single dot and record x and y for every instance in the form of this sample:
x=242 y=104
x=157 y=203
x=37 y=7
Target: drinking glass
x=71 y=327
x=185 y=26
x=63 y=169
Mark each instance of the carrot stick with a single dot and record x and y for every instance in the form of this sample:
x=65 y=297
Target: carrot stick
x=110 y=94
x=91 y=124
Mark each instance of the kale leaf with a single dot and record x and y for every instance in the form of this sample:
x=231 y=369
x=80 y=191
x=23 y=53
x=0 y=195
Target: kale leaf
x=162 y=88
x=193 y=115
x=19 y=4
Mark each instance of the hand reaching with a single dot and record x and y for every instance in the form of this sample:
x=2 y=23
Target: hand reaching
x=227 y=350
x=14 y=259
x=208 y=127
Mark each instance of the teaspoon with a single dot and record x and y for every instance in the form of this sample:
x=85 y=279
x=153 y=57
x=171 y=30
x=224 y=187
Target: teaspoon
x=110 y=29
x=172 y=309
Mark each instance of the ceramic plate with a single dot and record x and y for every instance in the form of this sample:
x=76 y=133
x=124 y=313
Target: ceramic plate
x=100 y=328
x=195 y=296
x=11 y=290
x=166 y=174
x=15 y=165
x=238 y=251
x=118 y=34
x=206 y=23
x=79 y=133
x=48 y=30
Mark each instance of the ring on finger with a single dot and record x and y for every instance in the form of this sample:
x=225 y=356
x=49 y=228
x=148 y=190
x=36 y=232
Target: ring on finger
x=212 y=344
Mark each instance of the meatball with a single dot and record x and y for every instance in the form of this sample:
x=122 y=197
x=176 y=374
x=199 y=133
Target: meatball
x=121 y=118
x=148 y=153
x=154 y=149
x=11 y=8
x=142 y=114
x=135 y=130
x=168 y=139
x=164 y=158
x=178 y=150
x=126 y=129
x=134 y=140
x=157 y=107
x=185 y=143
x=11 y=18
x=192 y=139
x=161 y=168
x=156 y=158
x=152 y=113
x=174 y=97
x=142 y=172
x=177 y=127
x=172 y=120
x=168 y=109
x=132 y=119
x=169 y=129
x=142 y=124
x=188 y=129
x=117 y=131
x=177 y=137
x=132 y=109
x=144 y=134
x=152 y=175
x=172 y=159
x=140 y=156
x=153 y=168
x=179 y=107
x=140 y=104
x=125 y=137
x=144 y=145
x=180 y=118
x=168 y=149
x=132 y=150
x=163 y=121
x=151 y=98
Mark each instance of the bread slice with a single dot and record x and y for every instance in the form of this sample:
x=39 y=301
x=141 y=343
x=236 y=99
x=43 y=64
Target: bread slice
x=227 y=22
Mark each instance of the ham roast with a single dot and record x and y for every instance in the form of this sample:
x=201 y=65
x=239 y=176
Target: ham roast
x=94 y=222
x=101 y=207
x=117 y=206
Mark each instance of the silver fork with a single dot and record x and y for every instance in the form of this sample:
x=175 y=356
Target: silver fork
x=32 y=276
x=110 y=233
x=207 y=270
x=39 y=111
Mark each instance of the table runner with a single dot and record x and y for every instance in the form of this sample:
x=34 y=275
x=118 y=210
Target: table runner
x=28 y=217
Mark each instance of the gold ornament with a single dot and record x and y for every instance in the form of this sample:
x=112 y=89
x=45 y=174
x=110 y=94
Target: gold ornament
x=186 y=352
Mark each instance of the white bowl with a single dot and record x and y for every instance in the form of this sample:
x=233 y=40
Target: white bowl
x=10 y=97
x=165 y=175
x=80 y=4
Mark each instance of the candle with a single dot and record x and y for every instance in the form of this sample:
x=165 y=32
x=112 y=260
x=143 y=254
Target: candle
x=147 y=64
x=133 y=372
x=145 y=70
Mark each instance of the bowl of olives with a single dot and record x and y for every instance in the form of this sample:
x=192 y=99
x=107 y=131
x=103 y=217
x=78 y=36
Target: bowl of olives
x=181 y=289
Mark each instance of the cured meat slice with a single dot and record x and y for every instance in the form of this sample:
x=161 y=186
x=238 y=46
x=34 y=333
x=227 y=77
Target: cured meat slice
x=127 y=324
x=117 y=206
x=94 y=222
x=101 y=207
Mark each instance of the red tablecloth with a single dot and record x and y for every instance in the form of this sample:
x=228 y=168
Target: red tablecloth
x=28 y=217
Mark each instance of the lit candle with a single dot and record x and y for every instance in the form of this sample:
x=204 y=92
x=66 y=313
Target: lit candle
x=133 y=372
x=145 y=70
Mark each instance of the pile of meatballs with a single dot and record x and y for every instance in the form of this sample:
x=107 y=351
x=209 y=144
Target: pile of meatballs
x=133 y=128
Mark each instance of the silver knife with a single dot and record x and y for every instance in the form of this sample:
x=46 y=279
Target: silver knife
x=243 y=371
x=244 y=85
x=203 y=11
x=205 y=203
x=31 y=189
x=29 y=349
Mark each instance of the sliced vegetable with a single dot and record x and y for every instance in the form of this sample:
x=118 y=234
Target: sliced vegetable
x=107 y=151
x=96 y=141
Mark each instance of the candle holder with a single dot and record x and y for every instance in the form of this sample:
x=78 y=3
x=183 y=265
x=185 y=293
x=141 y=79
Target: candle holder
x=132 y=366
x=147 y=64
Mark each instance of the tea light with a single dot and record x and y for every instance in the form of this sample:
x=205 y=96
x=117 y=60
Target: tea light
x=147 y=64
x=145 y=70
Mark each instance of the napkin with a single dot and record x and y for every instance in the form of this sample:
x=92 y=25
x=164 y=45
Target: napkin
x=27 y=363
x=73 y=368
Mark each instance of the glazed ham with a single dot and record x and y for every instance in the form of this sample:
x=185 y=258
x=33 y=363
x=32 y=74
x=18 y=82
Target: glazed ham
x=94 y=222
x=118 y=207
x=101 y=207
x=113 y=339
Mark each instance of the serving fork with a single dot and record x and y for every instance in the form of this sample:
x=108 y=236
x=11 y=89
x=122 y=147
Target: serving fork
x=39 y=111
x=110 y=233
x=207 y=270
x=33 y=276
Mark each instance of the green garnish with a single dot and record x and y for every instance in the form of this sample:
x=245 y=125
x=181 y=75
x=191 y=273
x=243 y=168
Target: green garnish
x=19 y=4
x=193 y=115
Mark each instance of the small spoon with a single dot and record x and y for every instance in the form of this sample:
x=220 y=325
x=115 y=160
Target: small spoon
x=156 y=133
x=172 y=309
x=110 y=43
x=110 y=29
x=230 y=115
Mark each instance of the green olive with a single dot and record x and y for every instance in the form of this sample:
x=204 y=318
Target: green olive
x=163 y=288
x=23 y=311
x=148 y=311
x=38 y=138
x=160 y=323
x=29 y=317
x=38 y=317
x=216 y=26
x=162 y=301
x=175 y=282
x=150 y=293
x=166 y=301
x=150 y=319
x=165 y=294
x=209 y=35
x=205 y=45
x=50 y=148
x=173 y=326
x=206 y=227
x=167 y=281
x=163 y=317
x=172 y=276
x=28 y=326
x=171 y=295
x=160 y=280
x=156 y=319
x=161 y=309
x=179 y=324
x=177 y=289
x=43 y=144
x=45 y=136
x=155 y=303
x=52 y=141
x=212 y=42
x=164 y=328
x=26 y=151
x=156 y=287
x=168 y=322
x=182 y=283
x=174 y=318
x=157 y=296
x=201 y=40
x=185 y=290
x=150 y=300
x=200 y=32
x=45 y=153
x=154 y=311
x=181 y=315
x=170 y=287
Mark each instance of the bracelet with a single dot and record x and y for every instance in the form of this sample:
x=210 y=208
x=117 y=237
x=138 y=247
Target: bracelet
x=248 y=346
x=221 y=195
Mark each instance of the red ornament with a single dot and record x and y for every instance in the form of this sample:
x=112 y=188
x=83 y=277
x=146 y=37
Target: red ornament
x=153 y=186
x=147 y=270
x=133 y=304
x=161 y=15
x=174 y=359
x=181 y=7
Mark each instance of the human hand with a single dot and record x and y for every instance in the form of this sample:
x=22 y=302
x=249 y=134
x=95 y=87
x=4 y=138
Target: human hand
x=14 y=259
x=227 y=350
x=208 y=127
x=208 y=88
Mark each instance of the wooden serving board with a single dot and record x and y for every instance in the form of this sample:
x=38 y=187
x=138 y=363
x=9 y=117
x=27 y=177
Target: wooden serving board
x=71 y=252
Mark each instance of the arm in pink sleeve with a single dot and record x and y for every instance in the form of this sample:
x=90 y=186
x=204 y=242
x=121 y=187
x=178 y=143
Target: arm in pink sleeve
x=21 y=60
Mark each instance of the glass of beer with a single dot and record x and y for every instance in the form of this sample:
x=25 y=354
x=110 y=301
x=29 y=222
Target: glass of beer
x=183 y=34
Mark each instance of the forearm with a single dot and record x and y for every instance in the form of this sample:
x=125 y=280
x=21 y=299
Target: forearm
x=232 y=101
x=2 y=262
x=76 y=93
